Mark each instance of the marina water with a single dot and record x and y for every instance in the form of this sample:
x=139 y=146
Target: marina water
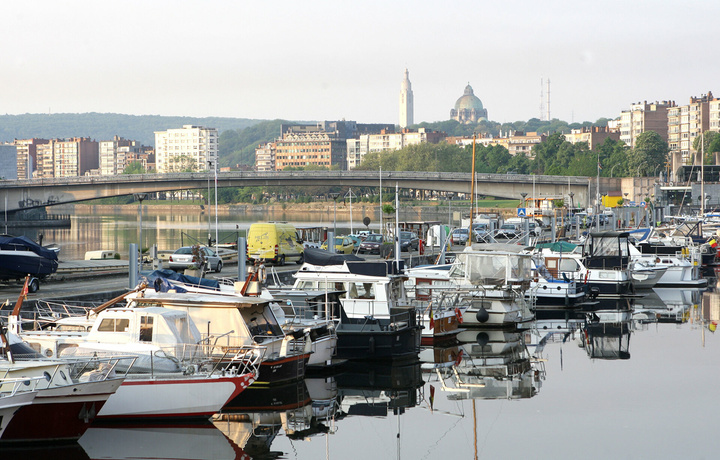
x=645 y=389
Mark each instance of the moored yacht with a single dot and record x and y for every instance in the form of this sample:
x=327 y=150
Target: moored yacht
x=603 y=263
x=376 y=320
x=486 y=282
x=168 y=371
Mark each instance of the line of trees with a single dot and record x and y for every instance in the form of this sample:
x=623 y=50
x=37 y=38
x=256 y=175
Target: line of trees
x=554 y=156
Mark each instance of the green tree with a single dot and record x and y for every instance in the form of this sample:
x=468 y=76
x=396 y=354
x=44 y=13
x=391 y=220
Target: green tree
x=649 y=153
x=546 y=152
x=711 y=142
x=134 y=167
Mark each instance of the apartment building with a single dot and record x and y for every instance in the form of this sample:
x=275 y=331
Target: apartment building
x=322 y=144
x=191 y=147
x=516 y=142
x=265 y=157
x=304 y=149
x=66 y=157
x=642 y=117
x=27 y=156
x=593 y=136
x=389 y=141
x=114 y=154
x=686 y=123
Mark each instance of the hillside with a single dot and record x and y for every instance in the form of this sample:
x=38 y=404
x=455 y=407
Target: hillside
x=103 y=126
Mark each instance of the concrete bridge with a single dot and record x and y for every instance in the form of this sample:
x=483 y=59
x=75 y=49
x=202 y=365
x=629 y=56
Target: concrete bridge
x=35 y=193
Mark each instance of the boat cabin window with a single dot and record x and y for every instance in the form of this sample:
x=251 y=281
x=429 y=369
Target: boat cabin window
x=361 y=290
x=114 y=325
x=72 y=328
x=569 y=265
x=261 y=323
x=146 y=328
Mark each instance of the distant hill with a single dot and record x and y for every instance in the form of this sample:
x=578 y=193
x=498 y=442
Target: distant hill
x=103 y=126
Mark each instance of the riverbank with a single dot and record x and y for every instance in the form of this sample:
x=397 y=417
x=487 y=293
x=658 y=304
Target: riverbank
x=315 y=211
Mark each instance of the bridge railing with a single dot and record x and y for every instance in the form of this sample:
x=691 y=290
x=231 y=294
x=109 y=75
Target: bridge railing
x=303 y=175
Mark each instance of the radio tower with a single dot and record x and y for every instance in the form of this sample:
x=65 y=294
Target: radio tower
x=542 y=102
x=548 y=100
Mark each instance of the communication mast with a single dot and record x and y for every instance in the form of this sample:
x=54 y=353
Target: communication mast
x=542 y=101
x=548 y=100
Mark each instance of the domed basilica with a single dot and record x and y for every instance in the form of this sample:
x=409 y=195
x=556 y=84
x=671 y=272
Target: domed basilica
x=469 y=108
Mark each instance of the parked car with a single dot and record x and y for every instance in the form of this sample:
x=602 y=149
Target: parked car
x=184 y=258
x=508 y=231
x=409 y=241
x=343 y=245
x=371 y=244
x=480 y=232
x=459 y=236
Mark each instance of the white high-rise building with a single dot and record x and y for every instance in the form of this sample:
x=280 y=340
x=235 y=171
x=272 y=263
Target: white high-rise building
x=406 y=102
x=190 y=148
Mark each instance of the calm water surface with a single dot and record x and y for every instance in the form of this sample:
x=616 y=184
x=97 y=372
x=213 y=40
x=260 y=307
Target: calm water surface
x=630 y=389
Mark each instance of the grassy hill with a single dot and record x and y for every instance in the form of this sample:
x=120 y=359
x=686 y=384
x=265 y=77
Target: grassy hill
x=103 y=126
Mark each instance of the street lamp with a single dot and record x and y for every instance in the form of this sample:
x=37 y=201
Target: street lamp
x=140 y=197
x=334 y=196
x=350 y=195
x=572 y=203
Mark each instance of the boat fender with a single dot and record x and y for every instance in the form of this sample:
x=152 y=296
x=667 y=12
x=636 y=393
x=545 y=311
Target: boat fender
x=371 y=345
x=482 y=338
x=482 y=315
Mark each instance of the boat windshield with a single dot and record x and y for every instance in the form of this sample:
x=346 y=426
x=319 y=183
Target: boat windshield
x=493 y=268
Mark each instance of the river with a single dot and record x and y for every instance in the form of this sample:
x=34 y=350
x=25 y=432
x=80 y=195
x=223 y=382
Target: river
x=644 y=388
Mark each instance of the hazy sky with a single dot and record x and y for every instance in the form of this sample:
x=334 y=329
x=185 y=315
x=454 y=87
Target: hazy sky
x=328 y=60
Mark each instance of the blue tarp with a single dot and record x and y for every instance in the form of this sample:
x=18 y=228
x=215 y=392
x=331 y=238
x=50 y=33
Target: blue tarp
x=158 y=279
x=23 y=241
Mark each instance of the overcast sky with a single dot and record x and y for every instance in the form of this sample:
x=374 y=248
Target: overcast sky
x=329 y=60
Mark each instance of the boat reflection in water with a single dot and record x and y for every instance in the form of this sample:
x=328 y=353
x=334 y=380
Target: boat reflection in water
x=667 y=305
x=300 y=411
x=494 y=364
x=607 y=340
x=377 y=389
x=195 y=441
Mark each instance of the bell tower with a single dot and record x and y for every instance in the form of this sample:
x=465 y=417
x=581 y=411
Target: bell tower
x=406 y=102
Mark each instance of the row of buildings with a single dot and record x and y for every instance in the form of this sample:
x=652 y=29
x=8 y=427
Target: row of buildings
x=190 y=148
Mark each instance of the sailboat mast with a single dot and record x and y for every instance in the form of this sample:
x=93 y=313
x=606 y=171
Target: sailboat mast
x=702 y=175
x=472 y=195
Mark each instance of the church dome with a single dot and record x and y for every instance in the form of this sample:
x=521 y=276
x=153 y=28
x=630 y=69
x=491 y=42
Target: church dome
x=468 y=101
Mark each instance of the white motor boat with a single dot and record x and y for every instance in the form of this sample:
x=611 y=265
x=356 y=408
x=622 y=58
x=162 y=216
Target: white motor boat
x=168 y=374
x=487 y=282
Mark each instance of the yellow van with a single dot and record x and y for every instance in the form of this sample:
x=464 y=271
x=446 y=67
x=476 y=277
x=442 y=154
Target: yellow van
x=278 y=242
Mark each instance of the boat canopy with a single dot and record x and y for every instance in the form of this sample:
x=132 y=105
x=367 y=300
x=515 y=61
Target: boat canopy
x=485 y=268
x=317 y=256
x=158 y=279
x=23 y=242
x=558 y=246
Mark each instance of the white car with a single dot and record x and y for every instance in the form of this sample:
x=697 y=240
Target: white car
x=183 y=258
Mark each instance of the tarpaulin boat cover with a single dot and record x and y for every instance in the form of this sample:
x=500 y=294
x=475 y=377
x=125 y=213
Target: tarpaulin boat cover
x=8 y=242
x=316 y=256
x=157 y=278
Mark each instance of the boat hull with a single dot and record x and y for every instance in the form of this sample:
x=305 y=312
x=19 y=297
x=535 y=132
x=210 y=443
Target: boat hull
x=9 y=405
x=60 y=414
x=282 y=370
x=173 y=397
x=377 y=339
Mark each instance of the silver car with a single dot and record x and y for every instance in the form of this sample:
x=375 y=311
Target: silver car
x=183 y=258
